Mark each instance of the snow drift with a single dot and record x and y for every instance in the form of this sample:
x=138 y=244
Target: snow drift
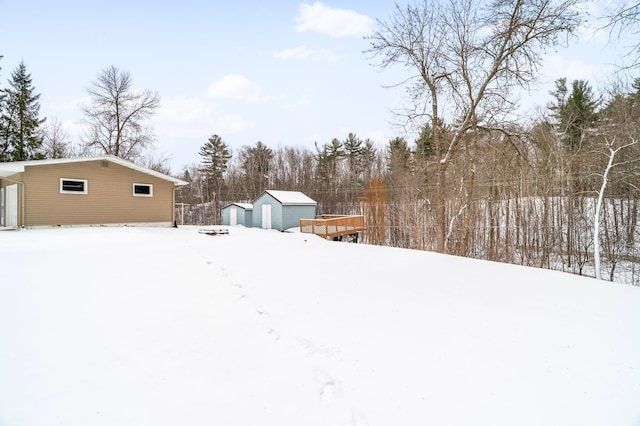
x=137 y=326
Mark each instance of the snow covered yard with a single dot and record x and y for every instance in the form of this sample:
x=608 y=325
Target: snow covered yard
x=154 y=326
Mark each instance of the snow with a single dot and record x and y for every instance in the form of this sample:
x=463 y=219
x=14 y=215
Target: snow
x=245 y=206
x=161 y=326
x=290 y=197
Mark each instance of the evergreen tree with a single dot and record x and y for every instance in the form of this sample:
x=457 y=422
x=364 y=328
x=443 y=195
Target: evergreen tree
x=256 y=165
x=575 y=112
x=424 y=143
x=368 y=156
x=634 y=96
x=21 y=137
x=398 y=155
x=353 y=150
x=328 y=158
x=215 y=155
x=4 y=137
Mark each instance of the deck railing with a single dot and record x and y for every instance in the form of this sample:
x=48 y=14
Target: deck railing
x=331 y=226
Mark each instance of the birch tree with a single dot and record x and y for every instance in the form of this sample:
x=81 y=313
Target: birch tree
x=465 y=59
x=612 y=151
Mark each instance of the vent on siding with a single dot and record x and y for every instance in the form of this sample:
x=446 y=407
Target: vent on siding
x=104 y=163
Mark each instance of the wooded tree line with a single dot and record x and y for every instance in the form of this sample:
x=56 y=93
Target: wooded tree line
x=519 y=194
x=477 y=181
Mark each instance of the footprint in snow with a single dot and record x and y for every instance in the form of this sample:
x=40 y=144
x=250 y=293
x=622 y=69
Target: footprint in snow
x=328 y=391
x=328 y=386
x=274 y=333
x=358 y=419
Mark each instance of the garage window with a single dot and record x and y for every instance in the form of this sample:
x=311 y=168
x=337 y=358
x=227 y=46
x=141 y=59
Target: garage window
x=73 y=186
x=142 y=190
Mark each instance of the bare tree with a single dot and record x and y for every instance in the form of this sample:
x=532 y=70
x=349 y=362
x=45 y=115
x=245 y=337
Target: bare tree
x=465 y=58
x=56 y=140
x=624 y=21
x=116 y=114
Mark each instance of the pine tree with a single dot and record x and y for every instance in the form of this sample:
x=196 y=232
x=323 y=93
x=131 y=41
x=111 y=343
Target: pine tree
x=424 y=143
x=398 y=155
x=215 y=155
x=328 y=159
x=353 y=150
x=20 y=118
x=4 y=139
x=256 y=165
x=575 y=112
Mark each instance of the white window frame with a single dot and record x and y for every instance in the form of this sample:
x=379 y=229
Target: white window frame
x=150 y=185
x=84 y=182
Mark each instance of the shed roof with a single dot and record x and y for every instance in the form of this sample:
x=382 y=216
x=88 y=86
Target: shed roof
x=245 y=206
x=289 y=198
x=11 y=168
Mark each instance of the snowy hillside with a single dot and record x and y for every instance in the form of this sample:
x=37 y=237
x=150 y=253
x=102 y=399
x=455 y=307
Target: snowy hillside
x=136 y=326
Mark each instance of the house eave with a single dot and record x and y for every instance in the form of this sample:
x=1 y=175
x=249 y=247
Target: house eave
x=12 y=168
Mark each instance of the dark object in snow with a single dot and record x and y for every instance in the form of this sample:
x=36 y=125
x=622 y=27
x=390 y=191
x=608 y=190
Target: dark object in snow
x=214 y=231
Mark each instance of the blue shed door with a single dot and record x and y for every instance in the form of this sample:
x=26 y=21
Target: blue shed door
x=266 y=216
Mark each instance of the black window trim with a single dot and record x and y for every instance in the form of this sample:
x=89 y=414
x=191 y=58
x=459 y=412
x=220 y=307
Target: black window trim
x=85 y=186
x=137 y=194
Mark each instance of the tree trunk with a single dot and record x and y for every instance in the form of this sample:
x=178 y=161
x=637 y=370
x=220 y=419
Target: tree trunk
x=440 y=208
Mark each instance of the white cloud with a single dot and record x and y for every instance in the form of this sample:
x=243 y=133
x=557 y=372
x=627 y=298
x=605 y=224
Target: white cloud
x=377 y=136
x=557 y=66
x=305 y=53
x=313 y=138
x=332 y=21
x=73 y=104
x=235 y=87
x=181 y=109
x=232 y=123
x=302 y=103
x=184 y=117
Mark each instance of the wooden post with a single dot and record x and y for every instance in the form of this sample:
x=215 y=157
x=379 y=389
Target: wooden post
x=213 y=209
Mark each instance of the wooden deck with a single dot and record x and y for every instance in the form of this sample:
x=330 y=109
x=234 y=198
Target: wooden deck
x=333 y=226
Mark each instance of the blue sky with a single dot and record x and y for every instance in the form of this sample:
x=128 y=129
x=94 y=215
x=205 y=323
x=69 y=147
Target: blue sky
x=287 y=73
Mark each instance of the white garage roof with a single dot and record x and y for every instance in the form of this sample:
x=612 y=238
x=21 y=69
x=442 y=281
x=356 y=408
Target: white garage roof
x=291 y=198
x=12 y=168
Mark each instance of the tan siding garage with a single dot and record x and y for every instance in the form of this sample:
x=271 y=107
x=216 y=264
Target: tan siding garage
x=105 y=190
